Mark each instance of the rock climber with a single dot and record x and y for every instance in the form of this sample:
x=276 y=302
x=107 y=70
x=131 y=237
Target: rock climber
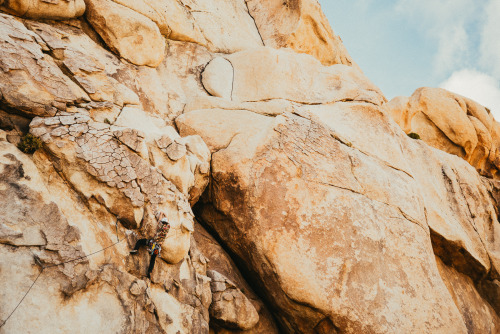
x=154 y=244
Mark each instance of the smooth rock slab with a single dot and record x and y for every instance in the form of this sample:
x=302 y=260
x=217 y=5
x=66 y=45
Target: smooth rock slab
x=321 y=243
x=265 y=74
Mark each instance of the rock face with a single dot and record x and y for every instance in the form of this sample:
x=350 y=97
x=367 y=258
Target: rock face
x=303 y=79
x=301 y=26
x=305 y=247
x=132 y=35
x=319 y=214
x=451 y=123
x=45 y=9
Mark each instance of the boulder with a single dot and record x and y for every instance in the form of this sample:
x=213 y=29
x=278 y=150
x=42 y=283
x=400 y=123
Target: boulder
x=45 y=9
x=451 y=123
x=341 y=181
x=173 y=19
x=301 y=26
x=280 y=231
x=130 y=34
x=283 y=74
x=230 y=306
x=217 y=78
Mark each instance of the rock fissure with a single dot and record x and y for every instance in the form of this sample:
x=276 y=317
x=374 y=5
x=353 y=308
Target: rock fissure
x=252 y=113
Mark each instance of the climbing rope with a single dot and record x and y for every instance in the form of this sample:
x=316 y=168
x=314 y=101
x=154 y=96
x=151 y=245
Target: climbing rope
x=37 y=261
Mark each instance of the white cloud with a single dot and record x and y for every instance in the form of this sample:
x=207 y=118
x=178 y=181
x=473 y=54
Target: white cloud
x=490 y=38
x=477 y=86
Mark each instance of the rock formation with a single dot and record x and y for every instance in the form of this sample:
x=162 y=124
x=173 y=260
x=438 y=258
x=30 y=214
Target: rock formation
x=452 y=123
x=296 y=200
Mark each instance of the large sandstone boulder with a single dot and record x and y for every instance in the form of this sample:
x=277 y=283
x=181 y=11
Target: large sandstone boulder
x=301 y=26
x=324 y=200
x=45 y=9
x=451 y=123
x=133 y=36
x=283 y=74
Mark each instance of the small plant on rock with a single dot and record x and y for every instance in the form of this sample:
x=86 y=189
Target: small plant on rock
x=414 y=135
x=29 y=143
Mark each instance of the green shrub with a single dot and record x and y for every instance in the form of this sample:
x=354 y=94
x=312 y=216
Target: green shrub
x=414 y=135
x=29 y=143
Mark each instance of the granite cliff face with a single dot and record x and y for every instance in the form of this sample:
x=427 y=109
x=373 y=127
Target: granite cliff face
x=297 y=202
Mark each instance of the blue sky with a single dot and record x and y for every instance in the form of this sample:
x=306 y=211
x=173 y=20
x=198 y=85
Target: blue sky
x=402 y=45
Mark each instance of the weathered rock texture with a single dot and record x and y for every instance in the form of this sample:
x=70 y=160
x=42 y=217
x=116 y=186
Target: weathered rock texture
x=45 y=9
x=301 y=26
x=451 y=123
x=321 y=215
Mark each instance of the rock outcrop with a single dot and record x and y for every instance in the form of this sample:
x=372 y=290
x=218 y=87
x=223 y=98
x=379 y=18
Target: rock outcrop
x=301 y=26
x=451 y=123
x=304 y=238
x=45 y=9
x=317 y=213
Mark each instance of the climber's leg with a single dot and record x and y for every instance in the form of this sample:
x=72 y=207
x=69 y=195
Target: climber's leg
x=151 y=265
x=138 y=244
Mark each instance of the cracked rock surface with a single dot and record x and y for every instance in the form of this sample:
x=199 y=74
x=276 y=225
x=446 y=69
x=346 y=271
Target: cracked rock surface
x=296 y=203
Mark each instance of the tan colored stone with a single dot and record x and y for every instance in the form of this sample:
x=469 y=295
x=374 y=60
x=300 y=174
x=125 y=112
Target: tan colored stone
x=132 y=35
x=217 y=78
x=216 y=20
x=447 y=114
x=219 y=261
x=301 y=26
x=478 y=315
x=30 y=80
x=46 y=9
x=295 y=162
x=451 y=123
x=265 y=73
x=372 y=165
x=230 y=307
x=173 y=19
